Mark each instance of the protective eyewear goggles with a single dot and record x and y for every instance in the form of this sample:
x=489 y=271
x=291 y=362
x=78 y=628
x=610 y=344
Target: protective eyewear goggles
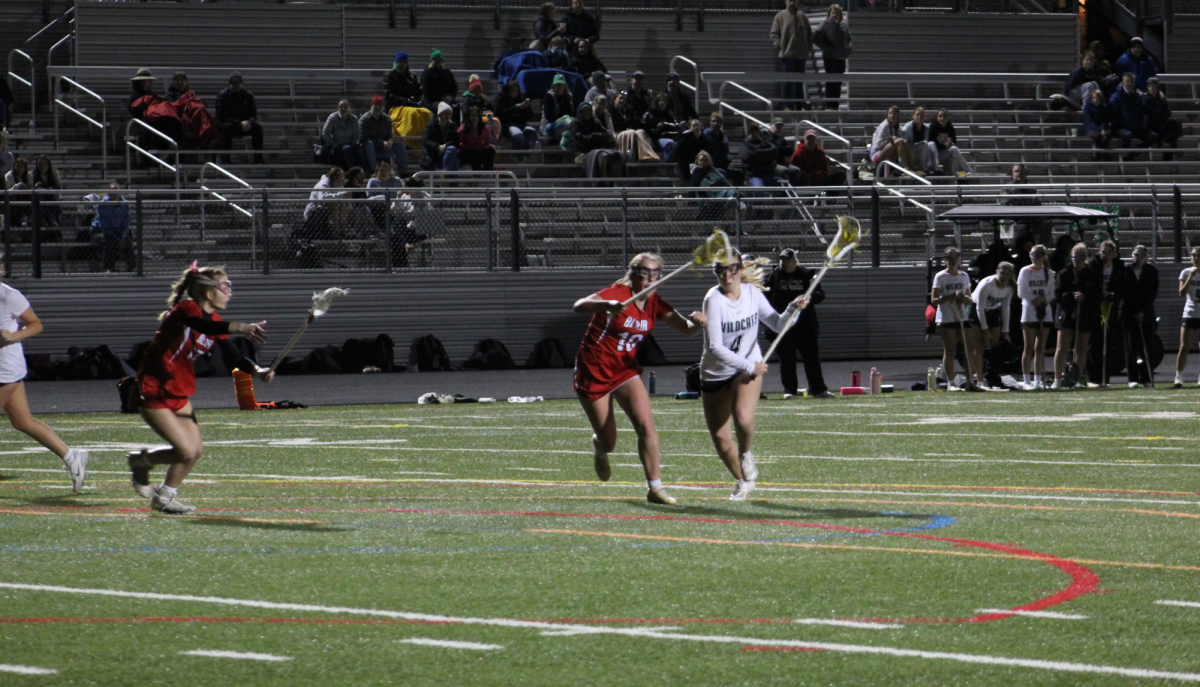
x=722 y=270
x=647 y=273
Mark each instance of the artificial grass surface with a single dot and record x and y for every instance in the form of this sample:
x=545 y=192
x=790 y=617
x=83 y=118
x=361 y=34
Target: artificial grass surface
x=1084 y=504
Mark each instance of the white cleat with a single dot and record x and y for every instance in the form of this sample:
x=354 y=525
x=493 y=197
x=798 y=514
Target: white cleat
x=741 y=490
x=169 y=505
x=1133 y=385
x=76 y=464
x=1178 y=381
x=1056 y=385
x=749 y=469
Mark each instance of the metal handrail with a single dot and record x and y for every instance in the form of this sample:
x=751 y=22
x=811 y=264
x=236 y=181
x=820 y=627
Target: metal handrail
x=745 y=116
x=849 y=164
x=103 y=126
x=223 y=172
x=721 y=96
x=918 y=177
x=898 y=194
x=30 y=83
x=50 y=60
x=496 y=175
x=44 y=29
x=162 y=163
x=215 y=194
x=696 y=70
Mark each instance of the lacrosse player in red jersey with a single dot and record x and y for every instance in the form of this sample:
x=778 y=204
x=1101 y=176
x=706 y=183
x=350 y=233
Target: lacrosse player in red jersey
x=607 y=369
x=166 y=380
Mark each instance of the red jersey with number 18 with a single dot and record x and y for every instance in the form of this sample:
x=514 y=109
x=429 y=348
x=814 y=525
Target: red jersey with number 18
x=607 y=357
x=167 y=370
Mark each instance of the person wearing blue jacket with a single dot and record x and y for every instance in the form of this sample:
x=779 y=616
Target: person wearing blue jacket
x=1138 y=61
x=1129 y=114
x=1097 y=123
x=1158 y=116
x=110 y=229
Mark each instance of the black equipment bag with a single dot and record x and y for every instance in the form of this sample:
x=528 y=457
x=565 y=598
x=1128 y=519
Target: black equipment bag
x=490 y=354
x=130 y=394
x=548 y=353
x=323 y=360
x=649 y=352
x=427 y=354
x=95 y=363
x=359 y=354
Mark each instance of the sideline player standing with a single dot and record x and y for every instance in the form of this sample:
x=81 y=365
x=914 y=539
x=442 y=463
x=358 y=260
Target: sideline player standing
x=787 y=281
x=992 y=302
x=18 y=322
x=952 y=291
x=190 y=327
x=1036 y=286
x=732 y=367
x=606 y=366
x=1189 y=291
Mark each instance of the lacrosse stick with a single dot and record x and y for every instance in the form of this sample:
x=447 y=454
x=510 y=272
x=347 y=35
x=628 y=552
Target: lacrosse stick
x=716 y=247
x=846 y=240
x=320 y=306
x=1105 y=310
x=1146 y=355
x=962 y=330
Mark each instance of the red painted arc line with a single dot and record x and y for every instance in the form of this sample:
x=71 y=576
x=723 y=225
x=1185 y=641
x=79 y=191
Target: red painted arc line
x=1083 y=580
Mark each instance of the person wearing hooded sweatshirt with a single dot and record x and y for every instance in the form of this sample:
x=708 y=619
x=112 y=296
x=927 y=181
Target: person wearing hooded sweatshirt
x=440 y=140
x=592 y=140
x=556 y=104
x=1138 y=61
x=514 y=111
x=599 y=82
x=758 y=158
x=475 y=146
x=437 y=83
x=811 y=159
x=401 y=88
x=1129 y=114
x=341 y=134
x=377 y=132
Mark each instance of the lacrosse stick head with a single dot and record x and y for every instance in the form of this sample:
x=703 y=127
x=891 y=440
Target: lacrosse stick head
x=716 y=248
x=847 y=238
x=321 y=301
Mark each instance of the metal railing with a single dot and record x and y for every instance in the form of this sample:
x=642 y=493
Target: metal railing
x=475 y=179
x=68 y=39
x=747 y=91
x=131 y=146
x=29 y=83
x=102 y=126
x=695 y=89
x=231 y=204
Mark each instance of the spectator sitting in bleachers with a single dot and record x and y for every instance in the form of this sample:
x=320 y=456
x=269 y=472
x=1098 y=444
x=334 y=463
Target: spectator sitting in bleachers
x=1137 y=61
x=475 y=145
x=784 y=168
x=661 y=126
x=814 y=164
x=713 y=202
x=6 y=156
x=640 y=97
x=1158 y=116
x=401 y=86
x=437 y=83
x=599 y=81
x=321 y=218
x=557 y=56
x=18 y=181
x=473 y=96
x=556 y=104
x=923 y=152
x=942 y=134
x=545 y=28
x=440 y=140
x=237 y=115
x=514 y=111
x=705 y=173
x=624 y=117
x=632 y=140
x=1080 y=83
x=1102 y=67
x=758 y=155
x=1129 y=115
x=595 y=145
x=341 y=136
x=179 y=87
x=689 y=144
x=377 y=133
x=889 y=145
x=600 y=111
x=716 y=142
x=580 y=26
x=1097 y=120
x=142 y=84
x=146 y=106
x=584 y=61
x=681 y=102
x=109 y=231
x=46 y=178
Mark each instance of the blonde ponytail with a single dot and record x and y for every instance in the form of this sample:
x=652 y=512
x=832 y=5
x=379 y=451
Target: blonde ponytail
x=194 y=284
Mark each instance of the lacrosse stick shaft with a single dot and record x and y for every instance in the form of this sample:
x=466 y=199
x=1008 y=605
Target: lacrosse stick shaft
x=962 y=330
x=783 y=329
x=650 y=289
x=1146 y=355
x=1104 y=358
x=287 y=349
x=812 y=286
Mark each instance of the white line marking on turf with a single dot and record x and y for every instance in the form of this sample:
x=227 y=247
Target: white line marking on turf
x=1035 y=614
x=957 y=455
x=1156 y=448
x=451 y=645
x=25 y=670
x=1041 y=450
x=246 y=656
x=536 y=469
x=847 y=623
x=1188 y=604
x=1061 y=666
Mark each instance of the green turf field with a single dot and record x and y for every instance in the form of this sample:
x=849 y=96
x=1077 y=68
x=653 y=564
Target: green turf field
x=890 y=541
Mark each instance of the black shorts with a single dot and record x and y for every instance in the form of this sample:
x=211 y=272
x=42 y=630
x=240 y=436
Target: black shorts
x=1190 y=323
x=715 y=385
x=1038 y=325
x=993 y=317
x=967 y=324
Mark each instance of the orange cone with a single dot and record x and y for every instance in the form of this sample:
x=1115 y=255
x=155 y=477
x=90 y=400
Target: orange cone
x=243 y=386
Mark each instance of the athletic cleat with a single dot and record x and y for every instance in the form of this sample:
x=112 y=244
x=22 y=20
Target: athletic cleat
x=1178 y=381
x=657 y=495
x=741 y=490
x=169 y=505
x=824 y=394
x=749 y=469
x=1133 y=385
x=1056 y=385
x=600 y=461
x=76 y=463
x=788 y=397
x=139 y=467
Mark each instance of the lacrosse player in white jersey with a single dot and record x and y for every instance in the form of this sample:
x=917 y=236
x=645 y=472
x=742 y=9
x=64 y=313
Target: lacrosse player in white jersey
x=732 y=367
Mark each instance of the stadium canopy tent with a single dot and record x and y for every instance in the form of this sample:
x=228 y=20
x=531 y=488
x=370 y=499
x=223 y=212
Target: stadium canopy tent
x=973 y=214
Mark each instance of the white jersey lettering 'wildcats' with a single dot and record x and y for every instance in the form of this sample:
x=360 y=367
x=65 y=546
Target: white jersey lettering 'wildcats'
x=951 y=284
x=1191 y=304
x=731 y=335
x=1032 y=283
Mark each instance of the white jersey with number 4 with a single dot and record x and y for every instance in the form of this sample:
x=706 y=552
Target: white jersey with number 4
x=1031 y=283
x=12 y=356
x=1191 y=302
x=731 y=335
x=951 y=284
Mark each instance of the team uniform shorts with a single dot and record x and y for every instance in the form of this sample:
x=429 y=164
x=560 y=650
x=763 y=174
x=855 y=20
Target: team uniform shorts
x=593 y=389
x=1191 y=323
x=993 y=317
x=172 y=403
x=712 y=386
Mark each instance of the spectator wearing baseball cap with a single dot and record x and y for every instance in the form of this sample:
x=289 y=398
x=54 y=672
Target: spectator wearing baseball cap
x=377 y=138
x=437 y=82
x=681 y=101
x=1138 y=61
x=787 y=281
x=556 y=104
x=814 y=164
x=640 y=97
x=599 y=87
x=237 y=115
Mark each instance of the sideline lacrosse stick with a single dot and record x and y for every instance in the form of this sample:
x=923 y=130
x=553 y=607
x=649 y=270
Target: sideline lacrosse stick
x=1146 y=355
x=962 y=330
x=716 y=247
x=320 y=305
x=1105 y=310
x=848 y=236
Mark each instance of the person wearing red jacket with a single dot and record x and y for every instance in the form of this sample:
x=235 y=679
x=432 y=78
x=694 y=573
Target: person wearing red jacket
x=810 y=157
x=475 y=145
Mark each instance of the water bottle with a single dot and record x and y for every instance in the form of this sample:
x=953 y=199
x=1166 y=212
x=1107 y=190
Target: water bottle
x=939 y=372
x=876 y=381
x=930 y=380
x=652 y=384
x=855 y=378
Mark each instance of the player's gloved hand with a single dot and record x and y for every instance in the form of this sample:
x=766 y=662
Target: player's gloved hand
x=254 y=332
x=613 y=307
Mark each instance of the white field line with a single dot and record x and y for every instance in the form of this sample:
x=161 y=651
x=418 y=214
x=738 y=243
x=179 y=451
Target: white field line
x=1186 y=604
x=1156 y=448
x=537 y=469
x=246 y=656
x=1060 y=666
x=25 y=670
x=847 y=623
x=1035 y=614
x=445 y=643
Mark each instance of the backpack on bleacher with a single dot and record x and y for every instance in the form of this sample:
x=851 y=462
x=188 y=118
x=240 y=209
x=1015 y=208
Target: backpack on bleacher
x=359 y=354
x=427 y=354
x=490 y=354
x=548 y=353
